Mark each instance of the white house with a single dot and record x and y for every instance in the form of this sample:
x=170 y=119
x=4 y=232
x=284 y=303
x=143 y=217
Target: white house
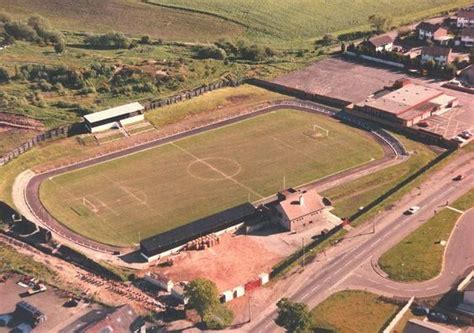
x=381 y=43
x=426 y=30
x=440 y=55
x=465 y=19
x=159 y=281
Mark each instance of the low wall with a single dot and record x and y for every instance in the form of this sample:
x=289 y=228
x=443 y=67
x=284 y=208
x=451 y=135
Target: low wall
x=301 y=94
x=51 y=134
x=459 y=88
x=374 y=59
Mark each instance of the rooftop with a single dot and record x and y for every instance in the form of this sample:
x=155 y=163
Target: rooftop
x=466 y=14
x=300 y=203
x=436 y=51
x=427 y=26
x=120 y=320
x=419 y=326
x=381 y=40
x=113 y=112
x=407 y=97
x=467 y=32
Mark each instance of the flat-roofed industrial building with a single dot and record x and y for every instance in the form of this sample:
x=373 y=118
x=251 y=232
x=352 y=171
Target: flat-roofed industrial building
x=405 y=104
x=115 y=117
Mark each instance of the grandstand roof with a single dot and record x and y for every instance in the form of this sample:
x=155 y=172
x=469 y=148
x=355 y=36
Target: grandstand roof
x=179 y=236
x=113 y=112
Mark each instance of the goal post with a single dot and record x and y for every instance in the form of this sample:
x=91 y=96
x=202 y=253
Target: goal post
x=89 y=205
x=321 y=128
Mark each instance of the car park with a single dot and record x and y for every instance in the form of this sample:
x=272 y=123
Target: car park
x=412 y=210
x=437 y=317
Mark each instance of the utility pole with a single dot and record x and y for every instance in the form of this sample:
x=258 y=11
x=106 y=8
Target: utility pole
x=284 y=182
x=373 y=226
x=304 y=253
x=250 y=312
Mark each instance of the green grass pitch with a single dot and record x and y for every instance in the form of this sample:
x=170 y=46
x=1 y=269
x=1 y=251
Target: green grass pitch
x=127 y=199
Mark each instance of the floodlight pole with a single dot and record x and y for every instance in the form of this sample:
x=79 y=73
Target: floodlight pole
x=304 y=253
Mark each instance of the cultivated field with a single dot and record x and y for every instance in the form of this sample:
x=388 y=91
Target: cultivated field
x=122 y=201
x=297 y=19
x=209 y=20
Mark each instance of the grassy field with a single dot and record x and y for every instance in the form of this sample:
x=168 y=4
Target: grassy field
x=350 y=196
x=176 y=183
x=419 y=256
x=353 y=311
x=285 y=20
x=209 y=20
x=243 y=97
x=129 y=16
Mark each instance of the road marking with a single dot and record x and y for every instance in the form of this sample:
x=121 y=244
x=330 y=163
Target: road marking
x=314 y=288
x=455 y=209
x=373 y=281
x=430 y=288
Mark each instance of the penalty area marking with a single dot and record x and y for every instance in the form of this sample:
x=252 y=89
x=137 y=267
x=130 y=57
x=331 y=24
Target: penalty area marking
x=321 y=128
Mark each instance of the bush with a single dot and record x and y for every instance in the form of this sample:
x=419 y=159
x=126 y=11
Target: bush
x=112 y=40
x=21 y=31
x=4 y=76
x=209 y=52
x=218 y=317
x=145 y=40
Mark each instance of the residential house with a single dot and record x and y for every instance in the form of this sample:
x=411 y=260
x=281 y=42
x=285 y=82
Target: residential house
x=465 y=19
x=442 y=56
x=122 y=319
x=429 y=31
x=380 y=43
x=467 y=37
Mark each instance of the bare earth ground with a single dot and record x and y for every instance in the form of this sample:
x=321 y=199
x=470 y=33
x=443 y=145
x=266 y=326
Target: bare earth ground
x=50 y=303
x=352 y=81
x=237 y=260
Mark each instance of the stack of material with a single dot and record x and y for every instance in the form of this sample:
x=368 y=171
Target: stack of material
x=202 y=243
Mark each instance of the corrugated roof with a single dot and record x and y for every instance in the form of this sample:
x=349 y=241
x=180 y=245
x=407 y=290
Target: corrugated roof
x=181 y=235
x=113 y=112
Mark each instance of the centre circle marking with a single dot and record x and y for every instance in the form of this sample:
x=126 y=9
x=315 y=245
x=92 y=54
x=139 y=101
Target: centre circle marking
x=235 y=167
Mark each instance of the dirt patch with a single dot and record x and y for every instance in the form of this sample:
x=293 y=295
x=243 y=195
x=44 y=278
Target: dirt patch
x=14 y=119
x=238 y=98
x=233 y=262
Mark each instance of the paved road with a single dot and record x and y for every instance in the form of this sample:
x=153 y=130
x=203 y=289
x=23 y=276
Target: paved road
x=341 y=267
x=29 y=204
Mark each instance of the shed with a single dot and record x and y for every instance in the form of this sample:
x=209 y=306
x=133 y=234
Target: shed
x=159 y=281
x=227 y=296
x=264 y=278
x=239 y=291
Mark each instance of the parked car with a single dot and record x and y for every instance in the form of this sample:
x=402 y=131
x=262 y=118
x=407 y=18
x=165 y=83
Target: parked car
x=5 y=319
x=420 y=311
x=437 y=317
x=459 y=139
x=412 y=210
x=423 y=124
x=466 y=135
x=458 y=178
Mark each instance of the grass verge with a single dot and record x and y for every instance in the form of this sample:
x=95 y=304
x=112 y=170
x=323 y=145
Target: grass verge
x=419 y=257
x=353 y=311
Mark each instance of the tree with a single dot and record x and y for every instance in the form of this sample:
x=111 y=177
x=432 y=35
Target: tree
x=202 y=295
x=59 y=46
x=328 y=39
x=380 y=23
x=4 y=76
x=294 y=317
x=145 y=40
